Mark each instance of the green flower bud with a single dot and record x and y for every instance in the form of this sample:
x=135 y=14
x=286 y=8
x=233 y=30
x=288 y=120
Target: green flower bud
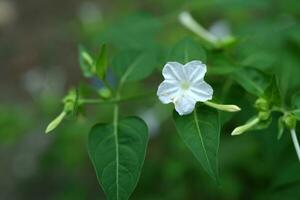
x=55 y=122
x=263 y=115
x=105 y=93
x=262 y=104
x=290 y=120
x=222 y=107
x=70 y=101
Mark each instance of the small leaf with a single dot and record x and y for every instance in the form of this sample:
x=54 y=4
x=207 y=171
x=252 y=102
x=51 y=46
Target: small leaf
x=296 y=105
x=102 y=63
x=272 y=94
x=200 y=131
x=252 y=80
x=280 y=128
x=132 y=66
x=86 y=62
x=296 y=100
x=187 y=50
x=55 y=122
x=117 y=152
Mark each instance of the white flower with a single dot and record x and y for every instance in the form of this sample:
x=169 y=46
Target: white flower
x=184 y=85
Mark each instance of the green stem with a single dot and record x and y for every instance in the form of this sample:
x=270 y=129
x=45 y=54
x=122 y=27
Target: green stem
x=296 y=143
x=114 y=100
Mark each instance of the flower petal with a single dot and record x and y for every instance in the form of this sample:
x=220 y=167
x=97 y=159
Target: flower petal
x=167 y=91
x=173 y=71
x=184 y=105
x=195 y=70
x=200 y=91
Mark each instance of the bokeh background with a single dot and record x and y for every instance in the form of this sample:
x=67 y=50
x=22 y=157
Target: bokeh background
x=39 y=62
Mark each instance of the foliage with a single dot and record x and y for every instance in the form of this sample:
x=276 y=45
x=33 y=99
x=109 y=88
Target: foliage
x=256 y=70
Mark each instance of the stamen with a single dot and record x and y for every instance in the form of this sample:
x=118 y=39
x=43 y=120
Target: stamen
x=185 y=85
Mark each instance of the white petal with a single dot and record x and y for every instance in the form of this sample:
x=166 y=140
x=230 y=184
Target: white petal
x=195 y=70
x=200 y=91
x=167 y=91
x=184 y=105
x=173 y=71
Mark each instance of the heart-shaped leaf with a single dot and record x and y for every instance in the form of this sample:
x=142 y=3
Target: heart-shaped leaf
x=118 y=152
x=200 y=131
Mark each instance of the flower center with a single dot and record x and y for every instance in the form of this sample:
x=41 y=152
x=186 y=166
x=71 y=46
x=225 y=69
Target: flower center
x=185 y=85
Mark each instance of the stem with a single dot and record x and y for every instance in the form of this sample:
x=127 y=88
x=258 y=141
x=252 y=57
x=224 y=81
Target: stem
x=296 y=143
x=115 y=100
x=115 y=131
x=92 y=101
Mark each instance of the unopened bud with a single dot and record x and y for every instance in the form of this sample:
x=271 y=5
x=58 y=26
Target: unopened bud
x=262 y=104
x=104 y=93
x=290 y=120
x=242 y=129
x=227 y=108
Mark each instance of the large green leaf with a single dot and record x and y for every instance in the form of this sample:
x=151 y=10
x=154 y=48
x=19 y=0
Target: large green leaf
x=133 y=66
x=118 y=152
x=187 y=50
x=252 y=80
x=200 y=131
x=296 y=105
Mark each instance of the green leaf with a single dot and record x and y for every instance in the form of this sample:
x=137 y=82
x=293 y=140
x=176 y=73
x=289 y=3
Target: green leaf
x=102 y=63
x=280 y=128
x=132 y=66
x=296 y=105
x=200 y=131
x=272 y=94
x=117 y=153
x=86 y=62
x=55 y=122
x=296 y=100
x=187 y=50
x=252 y=80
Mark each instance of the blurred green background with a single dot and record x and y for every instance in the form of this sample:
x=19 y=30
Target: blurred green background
x=39 y=62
